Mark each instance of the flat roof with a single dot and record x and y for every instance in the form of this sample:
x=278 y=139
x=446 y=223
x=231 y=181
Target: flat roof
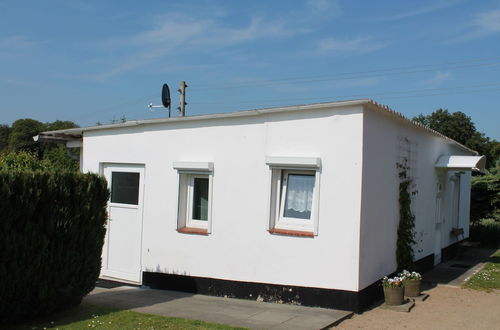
x=77 y=133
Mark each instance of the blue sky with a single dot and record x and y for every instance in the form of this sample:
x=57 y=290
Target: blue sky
x=95 y=61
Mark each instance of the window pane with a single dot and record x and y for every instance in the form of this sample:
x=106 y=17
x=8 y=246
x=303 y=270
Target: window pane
x=200 y=199
x=125 y=188
x=299 y=196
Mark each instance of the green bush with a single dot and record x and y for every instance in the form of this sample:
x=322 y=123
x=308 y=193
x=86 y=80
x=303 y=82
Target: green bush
x=51 y=236
x=487 y=232
x=485 y=198
x=22 y=160
x=55 y=159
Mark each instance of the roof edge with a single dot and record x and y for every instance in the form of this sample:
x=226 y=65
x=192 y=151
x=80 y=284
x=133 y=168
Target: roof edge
x=77 y=133
x=380 y=107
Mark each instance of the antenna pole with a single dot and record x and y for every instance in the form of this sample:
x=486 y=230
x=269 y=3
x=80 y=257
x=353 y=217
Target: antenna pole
x=182 y=98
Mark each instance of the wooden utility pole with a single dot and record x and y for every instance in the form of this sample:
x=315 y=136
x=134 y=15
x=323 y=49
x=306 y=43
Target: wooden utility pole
x=182 y=99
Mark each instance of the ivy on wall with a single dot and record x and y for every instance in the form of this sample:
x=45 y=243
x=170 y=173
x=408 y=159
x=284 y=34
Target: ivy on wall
x=406 y=228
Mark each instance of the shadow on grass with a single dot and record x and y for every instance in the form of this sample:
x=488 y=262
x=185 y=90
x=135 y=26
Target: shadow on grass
x=494 y=260
x=81 y=312
x=108 y=297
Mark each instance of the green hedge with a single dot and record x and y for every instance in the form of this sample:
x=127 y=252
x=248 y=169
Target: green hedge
x=52 y=228
x=485 y=198
x=486 y=232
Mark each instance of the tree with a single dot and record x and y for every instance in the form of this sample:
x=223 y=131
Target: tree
x=58 y=158
x=21 y=136
x=56 y=154
x=460 y=128
x=59 y=124
x=4 y=137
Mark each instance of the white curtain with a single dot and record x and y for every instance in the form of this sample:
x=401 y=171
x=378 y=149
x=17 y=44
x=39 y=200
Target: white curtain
x=299 y=195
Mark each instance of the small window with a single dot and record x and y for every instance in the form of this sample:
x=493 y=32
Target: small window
x=195 y=190
x=125 y=188
x=294 y=195
x=297 y=195
x=198 y=200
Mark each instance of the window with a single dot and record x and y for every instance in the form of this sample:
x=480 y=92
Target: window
x=297 y=195
x=294 y=195
x=198 y=200
x=194 y=201
x=125 y=188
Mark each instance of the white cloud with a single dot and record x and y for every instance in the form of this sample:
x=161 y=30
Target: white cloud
x=438 y=79
x=184 y=34
x=359 y=45
x=206 y=31
x=12 y=45
x=483 y=24
x=438 y=5
x=324 y=6
x=194 y=32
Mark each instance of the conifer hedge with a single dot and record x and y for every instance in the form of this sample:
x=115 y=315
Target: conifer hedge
x=52 y=228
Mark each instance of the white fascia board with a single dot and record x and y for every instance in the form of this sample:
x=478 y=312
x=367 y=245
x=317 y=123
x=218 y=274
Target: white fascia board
x=194 y=166
x=476 y=163
x=296 y=162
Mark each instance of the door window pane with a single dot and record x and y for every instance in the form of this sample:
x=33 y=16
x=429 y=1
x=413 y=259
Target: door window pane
x=200 y=199
x=299 y=196
x=125 y=188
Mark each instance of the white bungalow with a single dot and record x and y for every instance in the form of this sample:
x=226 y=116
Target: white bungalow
x=298 y=204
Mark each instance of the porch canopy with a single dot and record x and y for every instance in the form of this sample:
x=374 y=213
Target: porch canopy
x=464 y=163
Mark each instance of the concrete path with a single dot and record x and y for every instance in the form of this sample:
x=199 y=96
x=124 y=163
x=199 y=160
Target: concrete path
x=234 y=312
x=456 y=271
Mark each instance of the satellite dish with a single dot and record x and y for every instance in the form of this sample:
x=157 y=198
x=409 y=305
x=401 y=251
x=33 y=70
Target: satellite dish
x=165 y=99
x=165 y=96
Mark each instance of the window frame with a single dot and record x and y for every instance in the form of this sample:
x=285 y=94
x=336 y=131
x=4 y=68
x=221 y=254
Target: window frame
x=277 y=222
x=186 y=173
x=190 y=221
x=288 y=221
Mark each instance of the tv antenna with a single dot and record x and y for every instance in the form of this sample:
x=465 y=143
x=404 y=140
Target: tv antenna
x=165 y=100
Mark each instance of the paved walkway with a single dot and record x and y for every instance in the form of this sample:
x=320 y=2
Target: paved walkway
x=456 y=271
x=234 y=312
x=260 y=315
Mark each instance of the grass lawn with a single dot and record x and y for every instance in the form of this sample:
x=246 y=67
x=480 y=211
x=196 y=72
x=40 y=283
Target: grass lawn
x=88 y=316
x=487 y=278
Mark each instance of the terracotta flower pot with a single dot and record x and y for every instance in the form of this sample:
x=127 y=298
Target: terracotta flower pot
x=394 y=296
x=412 y=288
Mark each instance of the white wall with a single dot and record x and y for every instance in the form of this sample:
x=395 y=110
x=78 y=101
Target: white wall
x=239 y=247
x=380 y=191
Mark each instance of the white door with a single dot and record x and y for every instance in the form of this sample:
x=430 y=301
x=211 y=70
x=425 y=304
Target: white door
x=122 y=249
